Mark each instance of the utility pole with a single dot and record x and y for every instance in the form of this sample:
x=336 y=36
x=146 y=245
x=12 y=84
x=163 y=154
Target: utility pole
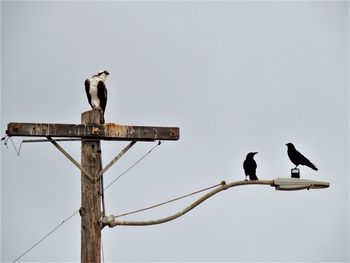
x=91 y=130
x=90 y=210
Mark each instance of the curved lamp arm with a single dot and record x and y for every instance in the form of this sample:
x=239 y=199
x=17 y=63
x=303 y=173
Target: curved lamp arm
x=290 y=184
x=112 y=222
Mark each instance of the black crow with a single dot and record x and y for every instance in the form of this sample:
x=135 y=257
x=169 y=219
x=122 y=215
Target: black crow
x=297 y=158
x=249 y=166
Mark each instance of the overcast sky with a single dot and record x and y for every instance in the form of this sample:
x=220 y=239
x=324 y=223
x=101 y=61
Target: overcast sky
x=234 y=76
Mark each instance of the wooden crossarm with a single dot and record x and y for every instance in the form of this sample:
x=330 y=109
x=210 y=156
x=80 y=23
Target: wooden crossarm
x=109 y=131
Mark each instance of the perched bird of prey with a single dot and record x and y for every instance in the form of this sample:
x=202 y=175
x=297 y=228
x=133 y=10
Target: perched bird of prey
x=249 y=166
x=96 y=91
x=297 y=158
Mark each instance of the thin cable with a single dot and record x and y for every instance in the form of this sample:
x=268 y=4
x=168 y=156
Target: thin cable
x=132 y=166
x=44 y=237
x=57 y=140
x=169 y=201
x=8 y=138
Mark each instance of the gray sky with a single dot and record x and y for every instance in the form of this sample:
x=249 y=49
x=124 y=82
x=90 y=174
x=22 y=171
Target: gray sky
x=234 y=76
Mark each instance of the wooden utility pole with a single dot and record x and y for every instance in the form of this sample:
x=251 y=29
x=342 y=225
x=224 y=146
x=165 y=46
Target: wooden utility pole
x=91 y=130
x=90 y=209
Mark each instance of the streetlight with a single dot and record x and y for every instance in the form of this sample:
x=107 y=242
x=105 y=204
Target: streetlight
x=290 y=184
x=298 y=184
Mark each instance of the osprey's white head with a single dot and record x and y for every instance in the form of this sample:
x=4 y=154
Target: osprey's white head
x=102 y=75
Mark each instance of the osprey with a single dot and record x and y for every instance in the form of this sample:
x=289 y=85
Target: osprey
x=96 y=90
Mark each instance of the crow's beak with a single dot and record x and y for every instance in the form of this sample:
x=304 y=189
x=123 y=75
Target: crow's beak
x=255 y=153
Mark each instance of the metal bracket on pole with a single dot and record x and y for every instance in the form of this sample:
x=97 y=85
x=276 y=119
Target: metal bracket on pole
x=70 y=158
x=115 y=159
x=109 y=165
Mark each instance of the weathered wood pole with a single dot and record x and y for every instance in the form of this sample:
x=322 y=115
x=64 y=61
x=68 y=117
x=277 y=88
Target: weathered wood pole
x=90 y=210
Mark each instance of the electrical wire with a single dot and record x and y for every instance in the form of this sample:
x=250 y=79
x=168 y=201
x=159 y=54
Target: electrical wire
x=44 y=237
x=169 y=201
x=8 y=138
x=132 y=166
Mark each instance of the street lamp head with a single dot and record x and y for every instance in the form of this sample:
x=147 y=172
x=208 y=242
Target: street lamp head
x=292 y=184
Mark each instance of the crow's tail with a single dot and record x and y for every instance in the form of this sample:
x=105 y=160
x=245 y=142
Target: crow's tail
x=311 y=165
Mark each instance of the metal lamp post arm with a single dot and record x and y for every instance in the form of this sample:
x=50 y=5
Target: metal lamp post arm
x=112 y=222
